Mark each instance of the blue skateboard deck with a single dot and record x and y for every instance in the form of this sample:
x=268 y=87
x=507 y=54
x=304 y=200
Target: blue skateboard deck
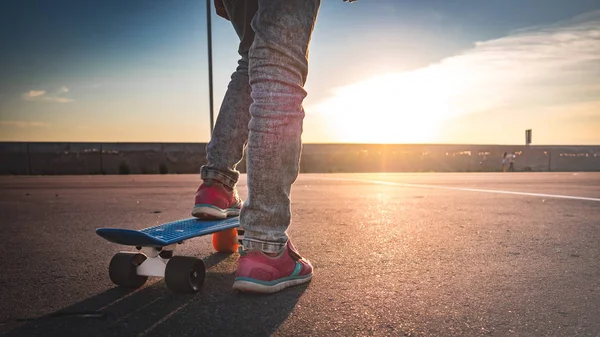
x=167 y=233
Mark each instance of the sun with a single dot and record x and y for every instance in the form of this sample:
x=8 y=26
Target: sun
x=391 y=108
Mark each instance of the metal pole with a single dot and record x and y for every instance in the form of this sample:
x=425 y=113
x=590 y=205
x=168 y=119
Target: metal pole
x=101 y=159
x=210 y=70
x=29 y=159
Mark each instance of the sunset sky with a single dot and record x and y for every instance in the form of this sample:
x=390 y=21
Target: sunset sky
x=381 y=71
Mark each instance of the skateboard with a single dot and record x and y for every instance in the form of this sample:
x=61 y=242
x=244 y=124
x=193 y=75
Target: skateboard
x=155 y=247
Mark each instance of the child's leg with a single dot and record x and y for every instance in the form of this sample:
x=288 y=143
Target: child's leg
x=278 y=69
x=225 y=149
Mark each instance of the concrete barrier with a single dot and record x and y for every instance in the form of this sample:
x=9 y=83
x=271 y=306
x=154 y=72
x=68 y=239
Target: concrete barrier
x=14 y=158
x=64 y=158
x=160 y=158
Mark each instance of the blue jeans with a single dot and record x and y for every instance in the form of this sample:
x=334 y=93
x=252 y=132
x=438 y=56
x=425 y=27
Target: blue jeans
x=262 y=112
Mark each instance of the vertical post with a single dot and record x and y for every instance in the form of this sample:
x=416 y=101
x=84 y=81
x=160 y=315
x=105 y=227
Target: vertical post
x=210 y=70
x=29 y=159
x=101 y=163
x=528 y=137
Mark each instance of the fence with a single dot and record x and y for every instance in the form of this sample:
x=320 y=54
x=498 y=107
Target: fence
x=38 y=158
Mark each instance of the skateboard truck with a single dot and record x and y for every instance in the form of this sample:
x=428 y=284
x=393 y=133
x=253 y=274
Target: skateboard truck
x=156 y=260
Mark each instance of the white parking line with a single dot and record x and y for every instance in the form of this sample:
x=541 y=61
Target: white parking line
x=438 y=187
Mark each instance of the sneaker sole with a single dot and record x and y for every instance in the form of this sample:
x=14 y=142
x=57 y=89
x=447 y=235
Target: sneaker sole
x=212 y=212
x=257 y=288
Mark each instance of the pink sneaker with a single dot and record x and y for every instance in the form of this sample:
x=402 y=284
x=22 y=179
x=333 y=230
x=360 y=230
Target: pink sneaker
x=260 y=273
x=214 y=201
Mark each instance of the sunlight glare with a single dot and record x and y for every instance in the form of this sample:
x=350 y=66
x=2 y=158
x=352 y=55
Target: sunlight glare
x=389 y=108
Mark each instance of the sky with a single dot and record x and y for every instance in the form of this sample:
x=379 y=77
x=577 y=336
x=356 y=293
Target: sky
x=380 y=71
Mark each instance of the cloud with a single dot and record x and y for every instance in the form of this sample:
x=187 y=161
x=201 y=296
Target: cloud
x=42 y=95
x=23 y=124
x=34 y=93
x=531 y=68
x=58 y=99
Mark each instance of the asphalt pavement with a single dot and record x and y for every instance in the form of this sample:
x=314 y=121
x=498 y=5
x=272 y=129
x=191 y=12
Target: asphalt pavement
x=432 y=254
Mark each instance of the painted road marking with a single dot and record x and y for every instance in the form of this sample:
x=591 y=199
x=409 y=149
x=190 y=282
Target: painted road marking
x=465 y=189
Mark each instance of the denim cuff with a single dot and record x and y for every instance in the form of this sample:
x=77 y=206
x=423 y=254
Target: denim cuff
x=267 y=247
x=227 y=179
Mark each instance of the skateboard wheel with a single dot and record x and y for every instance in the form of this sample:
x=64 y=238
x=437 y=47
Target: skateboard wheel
x=185 y=274
x=122 y=270
x=225 y=241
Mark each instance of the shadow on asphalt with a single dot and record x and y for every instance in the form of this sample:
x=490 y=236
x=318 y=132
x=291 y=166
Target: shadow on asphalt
x=155 y=311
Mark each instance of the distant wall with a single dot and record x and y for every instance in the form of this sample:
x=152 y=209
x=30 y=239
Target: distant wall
x=445 y=158
x=105 y=158
x=37 y=158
